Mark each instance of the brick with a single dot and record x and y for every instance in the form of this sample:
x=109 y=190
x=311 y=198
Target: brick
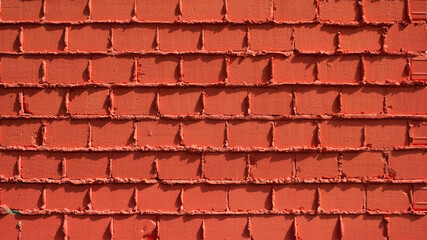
x=339 y=69
x=158 y=133
x=137 y=165
x=20 y=69
x=402 y=100
x=185 y=227
x=88 y=227
x=151 y=10
x=249 y=134
x=272 y=227
x=86 y=165
x=20 y=133
x=339 y=11
x=226 y=227
x=134 y=101
x=342 y=197
x=418 y=64
x=270 y=37
x=205 y=197
x=204 y=133
x=386 y=133
x=180 y=101
x=317 y=100
x=363 y=164
x=21 y=197
x=294 y=133
x=39 y=227
x=178 y=165
x=418 y=10
x=227 y=101
x=363 y=100
x=419 y=131
x=134 y=227
x=43 y=38
x=67 y=10
x=196 y=10
x=407 y=227
x=271 y=165
x=158 y=69
x=91 y=101
x=112 y=9
x=225 y=166
x=67 y=70
x=296 y=68
x=63 y=133
x=314 y=38
x=40 y=165
x=341 y=134
x=295 y=196
x=316 y=165
x=249 y=70
x=406 y=38
x=21 y=10
x=107 y=133
x=89 y=38
x=294 y=10
x=8 y=163
x=10 y=101
x=386 y=197
x=360 y=39
x=363 y=227
x=112 y=70
x=420 y=197
x=180 y=38
x=273 y=101
x=250 y=197
x=67 y=196
x=9 y=40
x=204 y=69
x=44 y=101
x=241 y=10
x=149 y=196
x=407 y=164
x=134 y=37
x=382 y=10
x=113 y=197
x=385 y=69
x=9 y=227
x=225 y=37
x=320 y=226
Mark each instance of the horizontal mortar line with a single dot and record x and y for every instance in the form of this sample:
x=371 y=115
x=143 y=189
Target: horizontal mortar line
x=208 y=149
x=221 y=117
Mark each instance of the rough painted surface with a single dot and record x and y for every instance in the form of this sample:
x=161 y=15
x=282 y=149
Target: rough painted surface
x=213 y=119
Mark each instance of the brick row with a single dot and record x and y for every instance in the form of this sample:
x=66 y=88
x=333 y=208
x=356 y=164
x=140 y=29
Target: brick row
x=214 y=166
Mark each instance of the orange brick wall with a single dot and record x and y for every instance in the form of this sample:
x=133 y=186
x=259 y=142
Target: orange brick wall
x=213 y=119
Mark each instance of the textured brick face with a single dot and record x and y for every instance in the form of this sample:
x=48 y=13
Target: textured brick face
x=213 y=119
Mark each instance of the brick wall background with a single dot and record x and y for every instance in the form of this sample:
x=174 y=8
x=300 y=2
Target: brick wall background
x=213 y=119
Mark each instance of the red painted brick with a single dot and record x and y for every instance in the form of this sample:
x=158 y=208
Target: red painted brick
x=407 y=164
x=249 y=134
x=339 y=69
x=134 y=101
x=225 y=37
x=316 y=165
x=204 y=69
x=149 y=195
x=271 y=165
x=418 y=64
x=342 y=197
x=9 y=40
x=21 y=10
x=41 y=227
x=403 y=100
x=20 y=69
x=113 y=197
x=360 y=39
x=204 y=133
x=67 y=196
x=337 y=11
x=302 y=132
x=67 y=70
x=250 y=197
x=134 y=37
x=180 y=38
x=384 y=10
x=160 y=69
x=385 y=69
x=112 y=9
x=419 y=133
x=317 y=100
x=186 y=227
x=273 y=101
x=138 y=165
x=386 y=197
x=406 y=38
x=417 y=9
x=67 y=10
x=240 y=10
x=88 y=227
x=270 y=37
x=112 y=133
x=420 y=196
x=205 y=197
x=43 y=38
x=63 y=133
x=256 y=67
x=86 y=165
x=180 y=101
x=320 y=226
x=386 y=133
x=363 y=227
x=89 y=101
x=226 y=227
x=314 y=38
x=272 y=227
x=8 y=163
x=179 y=165
x=151 y=10
x=203 y=10
x=408 y=227
x=363 y=100
x=295 y=196
x=40 y=165
x=363 y=164
x=134 y=227
x=341 y=134
x=225 y=166
x=21 y=197
x=294 y=10
x=227 y=101
x=10 y=101
x=89 y=38
x=112 y=70
x=296 y=68
x=20 y=133
x=44 y=101
x=158 y=133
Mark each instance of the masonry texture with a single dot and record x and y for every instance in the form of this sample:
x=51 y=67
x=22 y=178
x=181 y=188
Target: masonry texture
x=213 y=119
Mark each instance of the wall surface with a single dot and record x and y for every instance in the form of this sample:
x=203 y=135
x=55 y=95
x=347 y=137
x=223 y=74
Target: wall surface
x=213 y=119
